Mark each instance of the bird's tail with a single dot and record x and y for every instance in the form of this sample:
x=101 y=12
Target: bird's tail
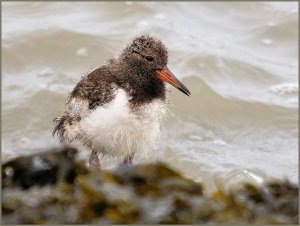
x=66 y=127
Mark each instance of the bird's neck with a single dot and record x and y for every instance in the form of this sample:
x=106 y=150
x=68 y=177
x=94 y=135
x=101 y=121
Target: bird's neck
x=142 y=86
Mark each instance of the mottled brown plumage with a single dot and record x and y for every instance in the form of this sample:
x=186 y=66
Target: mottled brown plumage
x=135 y=71
x=131 y=71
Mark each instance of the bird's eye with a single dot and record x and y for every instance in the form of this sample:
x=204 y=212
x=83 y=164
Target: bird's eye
x=149 y=58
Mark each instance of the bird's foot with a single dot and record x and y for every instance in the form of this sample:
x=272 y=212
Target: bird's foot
x=128 y=159
x=94 y=160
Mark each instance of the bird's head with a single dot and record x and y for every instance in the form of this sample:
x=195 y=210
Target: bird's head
x=147 y=54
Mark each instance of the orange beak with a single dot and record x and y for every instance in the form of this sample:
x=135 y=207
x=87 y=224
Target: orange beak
x=166 y=75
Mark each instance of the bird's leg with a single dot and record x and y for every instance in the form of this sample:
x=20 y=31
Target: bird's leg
x=94 y=160
x=128 y=159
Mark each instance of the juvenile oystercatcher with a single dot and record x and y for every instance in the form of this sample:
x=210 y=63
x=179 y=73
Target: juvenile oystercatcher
x=116 y=109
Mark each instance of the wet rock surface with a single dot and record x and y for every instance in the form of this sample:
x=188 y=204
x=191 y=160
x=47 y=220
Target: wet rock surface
x=54 y=188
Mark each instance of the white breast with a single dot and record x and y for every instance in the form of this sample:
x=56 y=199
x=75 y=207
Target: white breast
x=116 y=130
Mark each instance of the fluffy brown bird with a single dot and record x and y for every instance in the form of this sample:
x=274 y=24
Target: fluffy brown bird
x=116 y=109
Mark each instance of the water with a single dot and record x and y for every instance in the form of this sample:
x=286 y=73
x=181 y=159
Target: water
x=239 y=60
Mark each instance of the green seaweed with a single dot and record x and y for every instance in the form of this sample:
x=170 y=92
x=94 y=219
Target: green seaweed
x=61 y=190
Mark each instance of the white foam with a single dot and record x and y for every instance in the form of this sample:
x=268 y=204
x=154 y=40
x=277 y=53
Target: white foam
x=159 y=16
x=220 y=142
x=271 y=24
x=285 y=89
x=43 y=86
x=195 y=137
x=267 y=41
x=142 y=23
x=82 y=52
x=293 y=101
x=45 y=71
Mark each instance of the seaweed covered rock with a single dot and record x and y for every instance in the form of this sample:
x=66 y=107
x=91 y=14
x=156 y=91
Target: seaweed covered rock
x=41 y=169
x=53 y=188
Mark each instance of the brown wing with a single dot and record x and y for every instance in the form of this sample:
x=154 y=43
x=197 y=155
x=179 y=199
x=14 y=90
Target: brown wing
x=96 y=87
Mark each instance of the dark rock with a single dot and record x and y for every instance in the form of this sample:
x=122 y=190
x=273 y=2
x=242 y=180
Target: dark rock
x=41 y=169
x=53 y=188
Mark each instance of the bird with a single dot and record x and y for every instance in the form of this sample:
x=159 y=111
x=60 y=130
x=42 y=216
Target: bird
x=117 y=109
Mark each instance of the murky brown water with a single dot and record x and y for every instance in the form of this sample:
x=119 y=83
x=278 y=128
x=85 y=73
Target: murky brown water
x=239 y=60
